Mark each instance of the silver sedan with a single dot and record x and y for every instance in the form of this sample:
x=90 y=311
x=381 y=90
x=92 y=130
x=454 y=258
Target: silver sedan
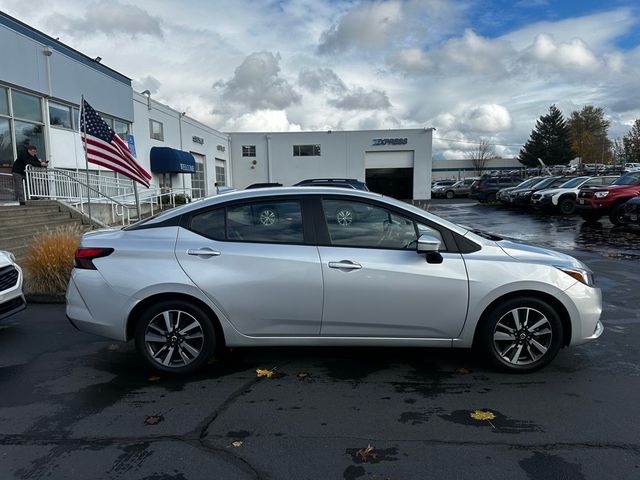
x=210 y=274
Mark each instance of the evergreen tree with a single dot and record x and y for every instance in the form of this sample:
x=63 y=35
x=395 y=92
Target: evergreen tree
x=549 y=141
x=631 y=143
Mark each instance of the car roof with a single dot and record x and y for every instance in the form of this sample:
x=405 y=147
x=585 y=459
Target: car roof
x=266 y=193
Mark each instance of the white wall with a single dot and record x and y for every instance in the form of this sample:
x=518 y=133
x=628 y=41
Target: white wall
x=342 y=156
x=172 y=123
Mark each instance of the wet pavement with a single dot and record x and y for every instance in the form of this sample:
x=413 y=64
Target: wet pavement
x=75 y=406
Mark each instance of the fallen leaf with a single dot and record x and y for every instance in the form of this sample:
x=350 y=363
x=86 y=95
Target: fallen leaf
x=302 y=375
x=237 y=443
x=366 y=453
x=263 y=372
x=462 y=371
x=153 y=419
x=483 y=415
x=154 y=378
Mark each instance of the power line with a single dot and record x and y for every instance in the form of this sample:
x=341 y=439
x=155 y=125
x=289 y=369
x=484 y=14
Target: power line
x=478 y=143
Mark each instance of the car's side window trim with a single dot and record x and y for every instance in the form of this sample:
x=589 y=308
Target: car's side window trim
x=308 y=230
x=324 y=239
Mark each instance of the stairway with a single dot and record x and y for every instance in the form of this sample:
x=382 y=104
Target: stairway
x=21 y=225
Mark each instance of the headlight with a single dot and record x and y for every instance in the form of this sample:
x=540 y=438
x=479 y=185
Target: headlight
x=582 y=275
x=551 y=194
x=601 y=194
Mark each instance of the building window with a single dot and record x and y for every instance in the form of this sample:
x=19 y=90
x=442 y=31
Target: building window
x=198 y=178
x=121 y=129
x=6 y=144
x=220 y=173
x=156 y=130
x=26 y=106
x=306 y=150
x=29 y=134
x=4 y=103
x=248 y=150
x=60 y=115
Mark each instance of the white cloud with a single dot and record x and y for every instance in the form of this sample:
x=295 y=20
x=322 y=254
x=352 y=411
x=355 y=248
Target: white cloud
x=367 y=26
x=321 y=79
x=410 y=60
x=109 y=18
x=262 y=121
x=573 y=55
x=257 y=84
x=360 y=99
x=149 y=82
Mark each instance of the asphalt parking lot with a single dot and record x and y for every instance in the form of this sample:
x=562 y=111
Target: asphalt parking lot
x=75 y=406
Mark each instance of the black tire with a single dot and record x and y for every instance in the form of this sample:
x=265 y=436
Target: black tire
x=497 y=351
x=616 y=215
x=590 y=216
x=175 y=342
x=491 y=197
x=450 y=194
x=567 y=205
x=345 y=216
x=268 y=216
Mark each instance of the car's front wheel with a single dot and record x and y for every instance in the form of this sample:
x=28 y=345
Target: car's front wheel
x=520 y=335
x=567 y=205
x=450 y=194
x=175 y=337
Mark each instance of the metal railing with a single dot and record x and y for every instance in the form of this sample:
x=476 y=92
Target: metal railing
x=71 y=187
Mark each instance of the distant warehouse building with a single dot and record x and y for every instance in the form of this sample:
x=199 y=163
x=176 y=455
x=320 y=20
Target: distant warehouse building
x=464 y=168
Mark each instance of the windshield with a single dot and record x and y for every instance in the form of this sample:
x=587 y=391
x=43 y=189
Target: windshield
x=529 y=183
x=544 y=183
x=574 y=182
x=628 y=179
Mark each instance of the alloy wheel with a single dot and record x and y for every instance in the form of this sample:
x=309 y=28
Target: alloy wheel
x=522 y=336
x=174 y=338
x=268 y=216
x=344 y=217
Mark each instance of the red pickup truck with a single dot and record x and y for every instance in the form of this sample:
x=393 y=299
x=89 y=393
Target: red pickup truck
x=595 y=202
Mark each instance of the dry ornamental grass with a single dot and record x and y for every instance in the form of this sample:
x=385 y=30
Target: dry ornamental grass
x=50 y=260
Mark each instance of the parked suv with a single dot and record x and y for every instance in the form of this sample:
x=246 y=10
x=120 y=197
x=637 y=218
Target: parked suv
x=351 y=183
x=563 y=198
x=595 y=202
x=11 y=297
x=485 y=189
x=632 y=211
x=503 y=193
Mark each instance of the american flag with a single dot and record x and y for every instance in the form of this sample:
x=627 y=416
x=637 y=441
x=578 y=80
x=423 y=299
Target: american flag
x=106 y=148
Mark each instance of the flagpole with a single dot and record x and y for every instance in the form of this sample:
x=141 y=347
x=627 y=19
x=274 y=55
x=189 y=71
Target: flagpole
x=86 y=160
x=135 y=192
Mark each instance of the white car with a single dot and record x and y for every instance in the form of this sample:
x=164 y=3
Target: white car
x=11 y=297
x=564 y=197
x=631 y=167
x=208 y=274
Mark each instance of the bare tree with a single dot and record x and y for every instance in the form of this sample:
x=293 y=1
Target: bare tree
x=480 y=156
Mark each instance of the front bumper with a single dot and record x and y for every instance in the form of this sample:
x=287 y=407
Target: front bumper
x=12 y=300
x=590 y=205
x=542 y=202
x=587 y=303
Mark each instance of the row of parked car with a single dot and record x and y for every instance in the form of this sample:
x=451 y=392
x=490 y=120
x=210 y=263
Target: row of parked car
x=592 y=197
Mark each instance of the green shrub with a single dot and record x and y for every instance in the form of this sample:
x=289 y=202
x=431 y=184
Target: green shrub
x=49 y=261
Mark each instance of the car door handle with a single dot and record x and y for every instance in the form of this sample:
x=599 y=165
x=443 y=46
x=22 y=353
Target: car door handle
x=345 y=265
x=203 y=252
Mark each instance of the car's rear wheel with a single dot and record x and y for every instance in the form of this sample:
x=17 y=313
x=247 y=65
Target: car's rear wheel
x=616 y=215
x=175 y=337
x=450 y=194
x=567 y=205
x=520 y=335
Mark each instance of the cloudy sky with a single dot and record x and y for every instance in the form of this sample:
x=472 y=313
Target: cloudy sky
x=473 y=69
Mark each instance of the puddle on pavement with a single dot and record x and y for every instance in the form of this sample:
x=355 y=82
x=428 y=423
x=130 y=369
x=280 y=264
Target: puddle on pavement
x=499 y=424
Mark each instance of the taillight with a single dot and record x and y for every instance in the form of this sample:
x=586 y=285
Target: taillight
x=84 y=256
x=480 y=186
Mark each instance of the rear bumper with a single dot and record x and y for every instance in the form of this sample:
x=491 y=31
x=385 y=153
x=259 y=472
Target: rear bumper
x=93 y=306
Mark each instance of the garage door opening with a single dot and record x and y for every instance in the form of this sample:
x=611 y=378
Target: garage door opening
x=393 y=182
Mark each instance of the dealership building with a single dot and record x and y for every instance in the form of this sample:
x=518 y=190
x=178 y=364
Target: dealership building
x=42 y=81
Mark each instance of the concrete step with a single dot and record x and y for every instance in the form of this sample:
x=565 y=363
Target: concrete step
x=13 y=212
x=7 y=233
x=28 y=219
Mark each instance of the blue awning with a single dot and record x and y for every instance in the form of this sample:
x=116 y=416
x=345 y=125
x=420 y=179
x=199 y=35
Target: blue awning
x=170 y=160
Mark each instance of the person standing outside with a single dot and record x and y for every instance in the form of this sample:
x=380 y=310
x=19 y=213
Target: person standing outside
x=28 y=157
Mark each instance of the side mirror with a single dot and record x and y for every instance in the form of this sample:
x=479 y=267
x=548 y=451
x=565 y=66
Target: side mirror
x=430 y=245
